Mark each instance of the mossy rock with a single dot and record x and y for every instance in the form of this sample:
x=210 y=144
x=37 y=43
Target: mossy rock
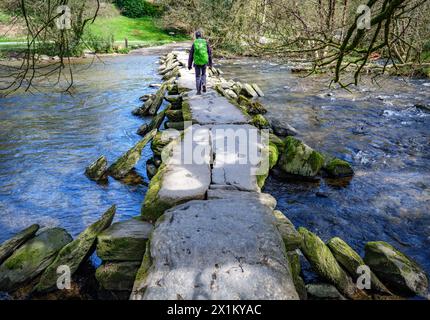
x=126 y=162
x=179 y=126
x=278 y=142
x=161 y=140
x=32 y=258
x=400 y=273
x=256 y=108
x=351 y=260
x=117 y=276
x=338 y=168
x=273 y=156
x=186 y=111
x=325 y=264
x=76 y=252
x=175 y=115
x=158 y=100
x=300 y=159
x=8 y=247
x=260 y=122
x=292 y=239
x=97 y=170
x=124 y=241
x=142 y=273
x=153 y=207
x=296 y=269
x=323 y=291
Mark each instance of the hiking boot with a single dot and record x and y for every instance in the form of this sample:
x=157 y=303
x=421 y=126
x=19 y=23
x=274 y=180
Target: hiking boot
x=199 y=93
x=204 y=89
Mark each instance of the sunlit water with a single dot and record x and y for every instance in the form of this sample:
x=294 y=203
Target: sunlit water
x=377 y=129
x=47 y=140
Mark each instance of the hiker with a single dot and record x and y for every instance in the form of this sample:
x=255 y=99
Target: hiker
x=201 y=54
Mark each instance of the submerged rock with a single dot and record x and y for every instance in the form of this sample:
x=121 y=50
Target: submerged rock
x=76 y=252
x=143 y=129
x=97 y=170
x=351 y=260
x=323 y=291
x=337 y=168
x=124 y=241
x=325 y=264
x=117 y=276
x=126 y=163
x=8 y=247
x=300 y=159
x=32 y=258
x=292 y=239
x=399 y=272
x=282 y=128
x=296 y=269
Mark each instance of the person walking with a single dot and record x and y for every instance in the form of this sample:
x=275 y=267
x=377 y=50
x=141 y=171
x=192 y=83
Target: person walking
x=201 y=55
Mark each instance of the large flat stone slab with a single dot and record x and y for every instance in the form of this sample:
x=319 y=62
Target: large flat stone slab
x=213 y=109
x=233 y=195
x=184 y=176
x=236 y=164
x=216 y=249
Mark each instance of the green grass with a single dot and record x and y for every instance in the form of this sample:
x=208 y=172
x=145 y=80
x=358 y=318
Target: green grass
x=140 y=30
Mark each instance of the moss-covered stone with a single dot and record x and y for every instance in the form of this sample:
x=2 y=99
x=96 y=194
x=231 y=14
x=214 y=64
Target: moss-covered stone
x=161 y=140
x=151 y=168
x=256 y=108
x=175 y=115
x=351 y=260
x=97 y=170
x=337 y=168
x=323 y=291
x=76 y=252
x=8 y=247
x=296 y=269
x=180 y=126
x=300 y=159
x=325 y=264
x=273 y=156
x=117 y=276
x=124 y=241
x=126 y=162
x=260 y=122
x=186 y=111
x=142 y=274
x=278 y=142
x=32 y=258
x=400 y=273
x=153 y=207
x=158 y=100
x=292 y=239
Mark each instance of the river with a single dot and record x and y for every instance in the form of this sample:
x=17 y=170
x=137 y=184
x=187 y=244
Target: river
x=47 y=140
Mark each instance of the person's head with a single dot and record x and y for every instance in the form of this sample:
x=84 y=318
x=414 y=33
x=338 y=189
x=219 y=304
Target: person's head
x=198 y=34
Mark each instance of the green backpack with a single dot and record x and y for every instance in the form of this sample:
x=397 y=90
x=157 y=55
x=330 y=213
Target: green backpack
x=201 y=56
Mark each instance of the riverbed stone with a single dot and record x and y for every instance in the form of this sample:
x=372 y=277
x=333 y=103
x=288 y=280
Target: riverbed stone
x=215 y=249
x=126 y=162
x=182 y=177
x=338 y=168
x=292 y=239
x=351 y=260
x=158 y=100
x=323 y=291
x=325 y=264
x=399 y=272
x=97 y=170
x=282 y=128
x=76 y=252
x=124 y=241
x=143 y=129
x=117 y=276
x=260 y=122
x=32 y=258
x=162 y=139
x=8 y=247
x=248 y=91
x=300 y=159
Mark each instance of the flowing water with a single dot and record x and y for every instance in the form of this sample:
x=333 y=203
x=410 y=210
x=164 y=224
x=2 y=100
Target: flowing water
x=375 y=127
x=47 y=140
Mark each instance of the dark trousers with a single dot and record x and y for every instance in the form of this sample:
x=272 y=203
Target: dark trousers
x=200 y=77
